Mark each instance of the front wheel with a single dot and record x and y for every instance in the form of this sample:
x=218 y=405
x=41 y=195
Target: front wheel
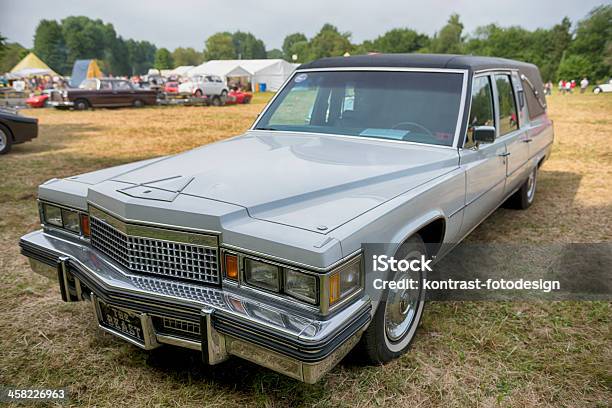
x=597 y=90
x=216 y=101
x=138 y=103
x=81 y=104
x=398 y=315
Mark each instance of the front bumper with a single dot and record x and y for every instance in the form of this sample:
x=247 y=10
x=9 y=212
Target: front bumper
x=61 y=104
x=287 y=341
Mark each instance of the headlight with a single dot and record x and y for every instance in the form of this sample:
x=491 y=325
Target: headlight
x=301 y=286
x=71 y=220
x=344 y=282
x=262 y=275
x=52 y=215
x=65 y=218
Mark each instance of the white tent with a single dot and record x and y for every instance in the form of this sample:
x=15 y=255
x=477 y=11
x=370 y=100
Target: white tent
x=272 y=72
x=222 y=68
x=183 y=70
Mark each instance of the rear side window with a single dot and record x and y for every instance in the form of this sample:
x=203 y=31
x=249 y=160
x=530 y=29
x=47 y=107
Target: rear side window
x=508 y=119
x=122 y=86
x=481 y=110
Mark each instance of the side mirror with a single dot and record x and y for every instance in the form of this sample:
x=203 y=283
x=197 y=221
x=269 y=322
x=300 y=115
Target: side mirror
x=484 y=134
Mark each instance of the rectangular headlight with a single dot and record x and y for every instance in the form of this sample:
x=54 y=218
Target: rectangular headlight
x=301 y=286
x=344 y=282
x=52 y=215
x=262 y=274
x=71 y=220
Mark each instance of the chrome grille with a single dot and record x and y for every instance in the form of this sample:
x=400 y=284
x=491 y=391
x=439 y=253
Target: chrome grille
x=142 y=254
x=180 y=325
x=180 y=290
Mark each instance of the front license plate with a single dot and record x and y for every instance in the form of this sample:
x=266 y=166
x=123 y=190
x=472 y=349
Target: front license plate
x=123 y=321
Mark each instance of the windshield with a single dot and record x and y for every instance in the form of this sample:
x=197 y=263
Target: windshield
x=418 y=107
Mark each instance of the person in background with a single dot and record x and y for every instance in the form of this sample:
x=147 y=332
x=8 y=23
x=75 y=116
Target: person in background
x=561 y=86
x=568 y=87
x=572 y=85
x=583 y=84
x=548 y=88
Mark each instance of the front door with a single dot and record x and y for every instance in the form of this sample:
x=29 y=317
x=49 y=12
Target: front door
x=484 y=164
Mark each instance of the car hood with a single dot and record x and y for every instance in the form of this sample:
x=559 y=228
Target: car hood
x=307 y=181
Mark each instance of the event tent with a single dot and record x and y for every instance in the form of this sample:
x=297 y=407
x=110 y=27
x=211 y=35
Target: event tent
x=31 y=65
x=272 y=72
x=83 y=69
x=182 y=70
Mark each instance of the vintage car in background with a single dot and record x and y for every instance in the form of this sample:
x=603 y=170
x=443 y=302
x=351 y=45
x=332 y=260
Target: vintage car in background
x=603 y=87
x=171 y=87
x=15 y=129
x=252 y=246
x=237 y=96
x=106 y=93
x=211 y=86
x=37 y=101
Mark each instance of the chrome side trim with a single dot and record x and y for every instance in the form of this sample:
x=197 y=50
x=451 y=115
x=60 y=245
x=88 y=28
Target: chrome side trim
x=178 y=342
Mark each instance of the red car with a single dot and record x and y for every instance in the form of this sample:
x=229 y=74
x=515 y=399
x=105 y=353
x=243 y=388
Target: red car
x=171 y=87
x=37 y=101
x=236 y=96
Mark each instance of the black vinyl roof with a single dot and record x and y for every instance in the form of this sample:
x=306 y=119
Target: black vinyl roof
x=469 y=62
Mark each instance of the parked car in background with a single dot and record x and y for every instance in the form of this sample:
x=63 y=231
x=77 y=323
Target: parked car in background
x=603 y=87
x=211 y=86
x=37 y=101
x=106 y=92
x=237 y=96
x=15 y=128
x=253 y=246
x=171 y=87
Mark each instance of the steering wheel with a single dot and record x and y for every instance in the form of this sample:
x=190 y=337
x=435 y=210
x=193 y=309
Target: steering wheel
x=413 y=124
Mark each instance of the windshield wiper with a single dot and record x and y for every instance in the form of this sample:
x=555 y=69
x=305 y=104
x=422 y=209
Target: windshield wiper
x=266 y=128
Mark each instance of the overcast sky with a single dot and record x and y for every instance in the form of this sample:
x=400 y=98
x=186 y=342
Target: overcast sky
x=188 y=23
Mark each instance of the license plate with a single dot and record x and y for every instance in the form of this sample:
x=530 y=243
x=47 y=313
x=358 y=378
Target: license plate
x=123 y=321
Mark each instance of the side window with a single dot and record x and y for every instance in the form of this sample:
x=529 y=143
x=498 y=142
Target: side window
x=105 y=85
x=508 y=119
x=122 y=86
x=481 y=111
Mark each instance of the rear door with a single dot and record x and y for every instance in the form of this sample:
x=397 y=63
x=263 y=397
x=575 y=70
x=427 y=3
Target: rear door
x=123 y=93
x=484 y=163
x=512 y=129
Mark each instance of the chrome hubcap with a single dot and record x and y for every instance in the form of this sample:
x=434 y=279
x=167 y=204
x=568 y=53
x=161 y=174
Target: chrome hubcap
x=401 y=306
x=531 y=185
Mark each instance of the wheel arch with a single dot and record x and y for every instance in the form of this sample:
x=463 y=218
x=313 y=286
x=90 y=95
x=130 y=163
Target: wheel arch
x=431 y=227
x=10 y=131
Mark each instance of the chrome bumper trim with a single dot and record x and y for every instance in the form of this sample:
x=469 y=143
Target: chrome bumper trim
x=230 y=324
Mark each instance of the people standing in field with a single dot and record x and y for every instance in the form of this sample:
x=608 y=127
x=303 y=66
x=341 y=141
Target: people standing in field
x=568 y=87
x=561 y=86
x=583 y=84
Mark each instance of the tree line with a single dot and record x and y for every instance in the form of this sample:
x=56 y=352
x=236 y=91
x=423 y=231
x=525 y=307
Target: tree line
x=563 y=51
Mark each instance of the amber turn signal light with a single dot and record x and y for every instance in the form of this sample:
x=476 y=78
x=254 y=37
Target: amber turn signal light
x=85 y=225
x=231 y=267
x=334 y=288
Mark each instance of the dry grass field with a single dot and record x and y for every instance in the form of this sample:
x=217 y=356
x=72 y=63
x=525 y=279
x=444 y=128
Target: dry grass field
x=553 y=354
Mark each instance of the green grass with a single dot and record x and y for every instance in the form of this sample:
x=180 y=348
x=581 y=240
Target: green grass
x=508 y=354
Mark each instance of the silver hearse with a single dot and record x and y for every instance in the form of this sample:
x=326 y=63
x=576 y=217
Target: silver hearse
x=252 y=246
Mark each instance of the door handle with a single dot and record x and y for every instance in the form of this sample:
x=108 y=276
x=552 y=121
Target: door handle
x=504 y=154
x=528 y=140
